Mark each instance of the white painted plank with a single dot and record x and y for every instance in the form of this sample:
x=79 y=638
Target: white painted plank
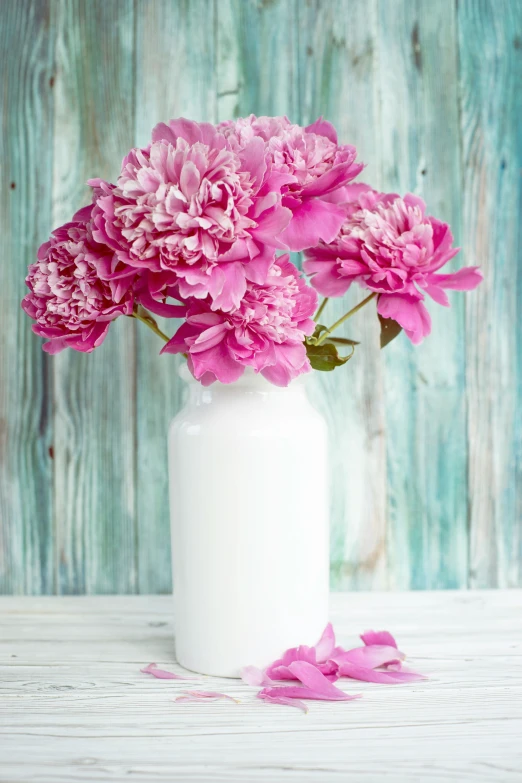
x=74 y=706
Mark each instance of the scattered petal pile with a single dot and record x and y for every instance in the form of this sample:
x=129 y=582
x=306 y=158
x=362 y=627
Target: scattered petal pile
x=315 y=669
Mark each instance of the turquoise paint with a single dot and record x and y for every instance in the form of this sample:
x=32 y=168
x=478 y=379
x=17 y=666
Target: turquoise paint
x=427 y=442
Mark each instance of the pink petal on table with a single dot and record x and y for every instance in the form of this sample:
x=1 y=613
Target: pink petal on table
x=285 y=701
x=378 y=637
x=355 y=672
x=301 y=692
x=330 y=669
x=325 y=645
x=370 y=656
x=278 y=670
x=254 y=676
x=204 y=696
x=161 y=674
x=317 y=686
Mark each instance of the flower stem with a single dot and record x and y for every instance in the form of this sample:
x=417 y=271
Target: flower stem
x=145 y=317
x=345 y=317
x=321 y=308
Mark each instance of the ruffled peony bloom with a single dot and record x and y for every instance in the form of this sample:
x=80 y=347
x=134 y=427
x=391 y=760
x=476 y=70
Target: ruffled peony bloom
x=266 y=332
x=191 y=207
x=71 y=305
x=389 y=245
x=311 y=166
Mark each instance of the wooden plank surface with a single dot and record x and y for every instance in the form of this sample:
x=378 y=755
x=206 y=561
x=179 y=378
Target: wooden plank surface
x=94 y=394
x=425 y=407
x=490 y=45
x=426 y=442
x=171 y=39
x=26 y=111
x=74 y=706
x=337 y=63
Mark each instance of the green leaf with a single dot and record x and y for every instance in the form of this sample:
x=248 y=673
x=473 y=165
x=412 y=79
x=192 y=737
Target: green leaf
x=342 y=341
x=325 y=357
x=389 y=330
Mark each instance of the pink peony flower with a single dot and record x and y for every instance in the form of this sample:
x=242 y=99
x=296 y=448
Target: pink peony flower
x=389 y=245
x=311 y=166
x=191 y=207
x=71 y=305
x=266 y=332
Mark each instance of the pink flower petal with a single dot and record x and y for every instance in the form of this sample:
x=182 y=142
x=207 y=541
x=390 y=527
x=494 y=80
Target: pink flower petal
x=284 y=701
x=325 y=645
x=437 y=294
x=355 y=672
x=323 y=128
x=379 y=637
x=161 y=674
x=312 y=221
x=409 y=312
x=315 y=681
x=465 y=279
x=301 y=692
x=278 y=670
x=204 y=696
x=370 y=656
x=254 y=676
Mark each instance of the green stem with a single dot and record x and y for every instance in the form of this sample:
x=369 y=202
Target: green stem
x=321 y=308
x=345 y=318
x=149 y=321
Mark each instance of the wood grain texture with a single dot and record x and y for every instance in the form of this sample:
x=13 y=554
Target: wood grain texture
x=337 y=62
x=26 y=498
x=74 y=705
x=175 y=52
x=94 y=394
x=425 y=407
x=426 y=442
x=490 y=45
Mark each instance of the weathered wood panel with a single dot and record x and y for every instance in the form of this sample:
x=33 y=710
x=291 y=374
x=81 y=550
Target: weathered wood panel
x=175 y=50
x=426 y=442
x=94 y=394
x=26 y=499
x=425 y=405
x=490 y=46
x=337 y=64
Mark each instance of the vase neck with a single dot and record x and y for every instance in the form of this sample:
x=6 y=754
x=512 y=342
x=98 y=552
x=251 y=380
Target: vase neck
x=250 y=383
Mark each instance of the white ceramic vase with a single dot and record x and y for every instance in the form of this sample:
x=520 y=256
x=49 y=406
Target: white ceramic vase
x=249 y=516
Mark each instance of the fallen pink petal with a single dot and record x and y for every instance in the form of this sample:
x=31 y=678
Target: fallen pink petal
x=317 y=668
x=370 y=656
x=251 y=675
x=278 y=670
x=325 y=645
x=204 y=696
x=378 y=637
x=300 y=705
x=162 y=674
x=390 y=676
x=301 y=692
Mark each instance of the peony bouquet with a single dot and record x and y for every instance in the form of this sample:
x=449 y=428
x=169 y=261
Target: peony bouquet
x=199 y=226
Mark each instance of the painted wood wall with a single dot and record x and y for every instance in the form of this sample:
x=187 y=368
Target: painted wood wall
x=426 y=442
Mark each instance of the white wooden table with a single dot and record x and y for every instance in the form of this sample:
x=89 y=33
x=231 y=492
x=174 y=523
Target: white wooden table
x=75 y=707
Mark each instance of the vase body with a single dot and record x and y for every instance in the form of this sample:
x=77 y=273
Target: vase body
x=249 y=517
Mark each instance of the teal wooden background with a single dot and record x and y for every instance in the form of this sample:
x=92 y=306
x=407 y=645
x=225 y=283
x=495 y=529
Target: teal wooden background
x=426 y=442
